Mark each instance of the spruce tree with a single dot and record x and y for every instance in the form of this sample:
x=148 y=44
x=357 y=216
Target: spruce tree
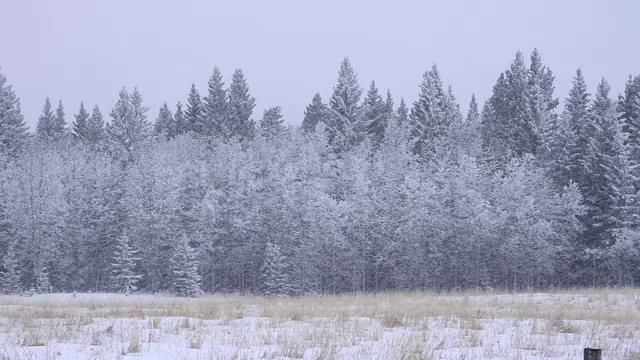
x=430 y=116
x=13 y=130
x=194 y=115
x=272 y=122
x=95 y=130
x=129 y=126
x=186 y=280
x=41 y=275
x=578 y=116
x=315 y=113
x=216 y=107
x=241 y=105
x=402 y=113
x=275 y=280
x=79 y=125
x=10 y=280
x=123 y=275
x=44 y=128
x=165 y=125
x=375 y=114
x=179 y=120
x=59 y=123
x=629 y=117
x=606 y=193
x=346 y=123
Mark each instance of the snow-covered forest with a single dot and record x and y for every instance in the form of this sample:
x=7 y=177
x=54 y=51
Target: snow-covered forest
x=369 y=194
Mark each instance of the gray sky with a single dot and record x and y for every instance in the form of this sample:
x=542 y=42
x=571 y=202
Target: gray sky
x=77 y=50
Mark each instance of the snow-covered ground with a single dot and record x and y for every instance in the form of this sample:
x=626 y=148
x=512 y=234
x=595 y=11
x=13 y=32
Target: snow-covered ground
x=389 y=326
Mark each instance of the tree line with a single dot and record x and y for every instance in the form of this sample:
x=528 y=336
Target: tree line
x=364 y=195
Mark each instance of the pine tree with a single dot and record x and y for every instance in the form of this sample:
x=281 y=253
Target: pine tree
x=402 y=114
x=272 y=122
x=346 y=123
x=165 y=125
x=216 y=107
x=184 y=268
x=315 y=113
x=44 y=128
x=129 y=126
x=13 y=130
x=10 y=280
x=79 y=125
x=275 y=280
x=123 y=275
x=375 y=114
x=241 y=105
x=179 y=120
x=194 y=115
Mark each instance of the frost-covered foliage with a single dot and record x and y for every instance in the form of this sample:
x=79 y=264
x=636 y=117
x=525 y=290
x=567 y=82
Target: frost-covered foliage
x=124 y=275
x=362 y=197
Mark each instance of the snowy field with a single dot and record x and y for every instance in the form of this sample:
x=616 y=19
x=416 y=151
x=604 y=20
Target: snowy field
x=390 y=326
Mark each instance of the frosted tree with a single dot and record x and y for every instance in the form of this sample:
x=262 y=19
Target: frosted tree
x=179 y=120
x=314 y=114
x=375 y=113
x=123 y=275
x=577 y=114
x=129 y=126
x=241 y=105
x=347 y=123
x=44 y=128
x=59 y=123
x=41 y=275
x=402 y=113
x=629 y=116
x=194 y=114
x=429 y=120
x=185 y=279
x=271 y=123
x=79 y=125
x=275 y=281
x=216 y=107
x=165 y=124
x=10 y=280
x=13 y=130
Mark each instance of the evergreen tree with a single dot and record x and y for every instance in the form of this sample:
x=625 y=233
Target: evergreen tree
x=402 y=113
x=123 y=275
x=95 y=130
x=216 y=107
x=241 y=105
x=431 y=115
x=346 y=123
x=165 y=123
x=44 y=128
x=578 y=116
x=315 y=113
x=79 y=125
x=375 y=114
x=186 y=280
x=179 y=120
x=129 y=126
x=272 y=122
x=275 y=280
x=59 y=123
x=41 y=275
x=606 y=193
x=10 y=280
x=13 y=130
x=629 y=116
x=194 y=115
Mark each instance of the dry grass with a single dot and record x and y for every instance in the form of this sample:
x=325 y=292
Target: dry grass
x=386 y=326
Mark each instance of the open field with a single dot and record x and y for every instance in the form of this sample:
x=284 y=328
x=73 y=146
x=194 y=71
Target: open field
x=387 y=326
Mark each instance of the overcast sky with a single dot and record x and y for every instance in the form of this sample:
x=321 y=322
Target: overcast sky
x=289 y=49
